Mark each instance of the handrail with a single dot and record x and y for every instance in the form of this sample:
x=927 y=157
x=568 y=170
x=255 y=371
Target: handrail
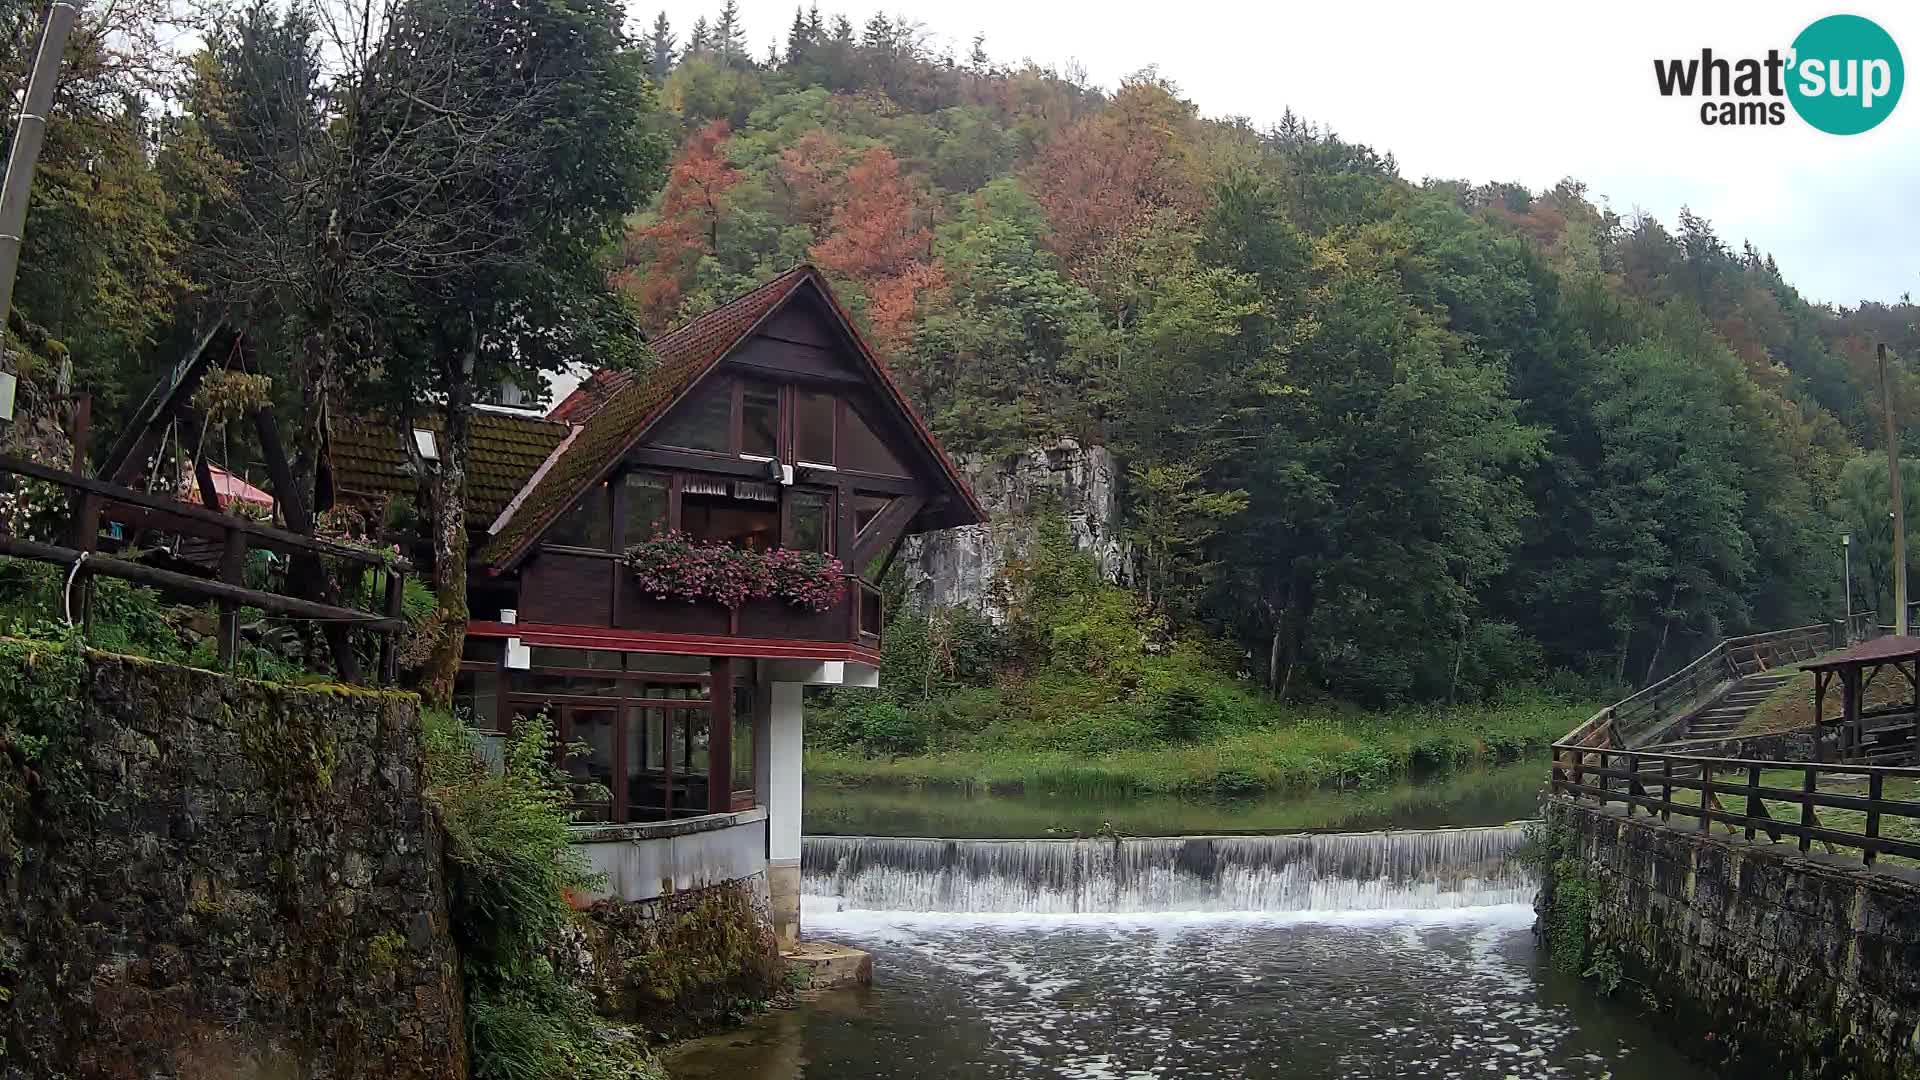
x=1635 y=787
x=235 y=536
x=1653 y=704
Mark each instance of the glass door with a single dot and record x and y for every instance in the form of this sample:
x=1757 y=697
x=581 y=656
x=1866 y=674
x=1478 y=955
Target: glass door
x=592 y=771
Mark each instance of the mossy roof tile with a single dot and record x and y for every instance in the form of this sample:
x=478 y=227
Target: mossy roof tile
x=370 y=458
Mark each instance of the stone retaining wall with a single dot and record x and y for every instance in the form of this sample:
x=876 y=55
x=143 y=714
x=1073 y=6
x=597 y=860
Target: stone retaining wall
x=204 y=876
x=1776 y=962
x=683 y=961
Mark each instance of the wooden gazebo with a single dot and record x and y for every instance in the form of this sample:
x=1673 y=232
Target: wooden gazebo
x=1879 y=733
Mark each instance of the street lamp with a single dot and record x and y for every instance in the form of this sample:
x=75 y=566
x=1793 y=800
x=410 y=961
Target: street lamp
x=1846 y=582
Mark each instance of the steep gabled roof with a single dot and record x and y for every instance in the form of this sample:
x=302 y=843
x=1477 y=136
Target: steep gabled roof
x=615 y=409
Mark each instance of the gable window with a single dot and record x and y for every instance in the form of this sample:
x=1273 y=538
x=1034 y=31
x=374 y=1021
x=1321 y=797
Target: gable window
x=863 y=450
x=704 y=421
x=743 y=513
x=646 y=511
x=809 y=517
x=865 y=509
x=760 y=419
x=813 y=426
x=588 y=523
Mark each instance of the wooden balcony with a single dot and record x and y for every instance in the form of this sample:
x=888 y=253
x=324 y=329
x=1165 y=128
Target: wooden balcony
x=589 y=600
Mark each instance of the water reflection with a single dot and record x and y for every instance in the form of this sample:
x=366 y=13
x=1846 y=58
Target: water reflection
x=1473 y=797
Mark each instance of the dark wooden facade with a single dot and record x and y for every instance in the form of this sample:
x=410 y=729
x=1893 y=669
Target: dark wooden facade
x=781 y=430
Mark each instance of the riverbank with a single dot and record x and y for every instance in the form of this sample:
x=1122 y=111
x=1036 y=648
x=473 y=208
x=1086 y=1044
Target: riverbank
x=1470 y=796
x=1300 y=749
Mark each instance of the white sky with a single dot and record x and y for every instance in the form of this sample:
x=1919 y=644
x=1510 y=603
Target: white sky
x=1527 y=92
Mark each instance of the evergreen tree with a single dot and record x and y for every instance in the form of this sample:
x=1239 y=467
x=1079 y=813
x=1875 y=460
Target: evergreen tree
x=699 y=42
x=977 y=59
x=660 y=48
x=729 y=35
x=799 y=40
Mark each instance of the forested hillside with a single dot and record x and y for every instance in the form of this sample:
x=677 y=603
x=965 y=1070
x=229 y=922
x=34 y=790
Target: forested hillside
x=1413 y=440
x=1398 y=440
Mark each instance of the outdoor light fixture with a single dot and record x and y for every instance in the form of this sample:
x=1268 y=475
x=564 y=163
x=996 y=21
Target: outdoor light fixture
x=424 y=441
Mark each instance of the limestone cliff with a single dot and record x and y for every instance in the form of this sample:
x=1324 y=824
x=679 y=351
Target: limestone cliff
x=958 y=566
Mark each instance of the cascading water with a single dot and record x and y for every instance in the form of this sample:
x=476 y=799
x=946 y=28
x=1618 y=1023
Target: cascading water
x=1380 y=871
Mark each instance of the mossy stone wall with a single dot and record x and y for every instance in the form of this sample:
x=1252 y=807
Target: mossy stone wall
x=683 y=962
x=1764 y=960
x=205 y=876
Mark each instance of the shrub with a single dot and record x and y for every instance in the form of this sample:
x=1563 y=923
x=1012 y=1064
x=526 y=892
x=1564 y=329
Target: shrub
x=887 y=728
x=510 y=867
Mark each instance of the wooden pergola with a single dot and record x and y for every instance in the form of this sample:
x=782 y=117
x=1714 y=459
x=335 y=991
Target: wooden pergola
x=1855 y=669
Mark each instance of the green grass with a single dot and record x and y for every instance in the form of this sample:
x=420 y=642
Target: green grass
x=1467 y=797
x=1286 y=749
x=1892 y=826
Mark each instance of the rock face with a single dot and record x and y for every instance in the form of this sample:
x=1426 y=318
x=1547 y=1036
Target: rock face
x=957 y=567
x=220 y=877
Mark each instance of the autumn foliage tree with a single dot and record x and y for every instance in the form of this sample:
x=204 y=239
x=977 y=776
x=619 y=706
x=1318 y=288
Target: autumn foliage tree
x=1108 y=175
x=661 y=258
x=878 y=237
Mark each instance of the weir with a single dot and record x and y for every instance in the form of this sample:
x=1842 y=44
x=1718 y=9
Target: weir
x=1377 y=871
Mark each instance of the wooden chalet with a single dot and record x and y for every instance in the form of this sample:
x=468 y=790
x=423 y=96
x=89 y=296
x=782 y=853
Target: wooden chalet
x=765 y=424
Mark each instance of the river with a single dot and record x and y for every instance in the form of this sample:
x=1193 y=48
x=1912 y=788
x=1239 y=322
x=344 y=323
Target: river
x=1402 y=953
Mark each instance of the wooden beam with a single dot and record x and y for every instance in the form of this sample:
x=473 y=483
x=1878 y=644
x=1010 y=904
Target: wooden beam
x=267 y=535
x=218 y=590
x=890 y=522
x=178 y=384
x=720 y=737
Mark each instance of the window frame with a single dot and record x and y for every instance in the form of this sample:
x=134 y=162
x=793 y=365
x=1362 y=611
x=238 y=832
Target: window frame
x=629 y=706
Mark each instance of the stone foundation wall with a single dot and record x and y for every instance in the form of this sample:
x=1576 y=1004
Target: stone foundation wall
x=203 y=876
x=1770 y=961
x=683 y=961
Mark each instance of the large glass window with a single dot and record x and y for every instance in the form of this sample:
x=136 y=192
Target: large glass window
x=646 y=513
x=742 y=748
x=865 y=509
x=588 y=523
x=636 y=743
x=813 y=426
x=809 y=515
x=862 y=449
x=704 y=421
x=760 y=419
x=740 y=512
x=589 y=760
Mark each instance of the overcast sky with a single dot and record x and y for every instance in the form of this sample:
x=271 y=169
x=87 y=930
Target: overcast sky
x=1528 y=92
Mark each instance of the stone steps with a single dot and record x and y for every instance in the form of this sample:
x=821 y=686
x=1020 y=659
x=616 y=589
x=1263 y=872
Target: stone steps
x=1724 y=717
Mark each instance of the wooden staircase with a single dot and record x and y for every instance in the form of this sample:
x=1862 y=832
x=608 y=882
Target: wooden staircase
x=1723 y=718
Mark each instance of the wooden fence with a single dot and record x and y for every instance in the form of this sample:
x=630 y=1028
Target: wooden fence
x=236 y=536
x=1648 y=710
x=1736 y=793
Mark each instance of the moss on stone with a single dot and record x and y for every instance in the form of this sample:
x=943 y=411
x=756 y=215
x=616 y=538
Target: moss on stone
x=685 y=961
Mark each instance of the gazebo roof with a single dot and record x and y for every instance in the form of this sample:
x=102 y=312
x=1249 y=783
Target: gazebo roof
x=1885 y=650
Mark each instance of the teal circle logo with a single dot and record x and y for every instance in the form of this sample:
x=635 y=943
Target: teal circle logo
x=1846 y=75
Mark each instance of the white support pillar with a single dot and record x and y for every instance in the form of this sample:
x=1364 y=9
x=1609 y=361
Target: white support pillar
x=783 y=810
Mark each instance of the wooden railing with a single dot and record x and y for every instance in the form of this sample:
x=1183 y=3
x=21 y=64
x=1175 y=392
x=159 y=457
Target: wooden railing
x=236 y=536
x=1736 y=793
x=1645 y=711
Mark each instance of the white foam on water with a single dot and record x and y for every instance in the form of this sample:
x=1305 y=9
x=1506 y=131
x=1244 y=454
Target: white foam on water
x=1318 y=873
x=827 y=915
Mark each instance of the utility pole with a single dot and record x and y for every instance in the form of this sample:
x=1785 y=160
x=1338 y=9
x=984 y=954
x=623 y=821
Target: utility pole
x=1895 y=506
x=1846 y=587
x=28 y=133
